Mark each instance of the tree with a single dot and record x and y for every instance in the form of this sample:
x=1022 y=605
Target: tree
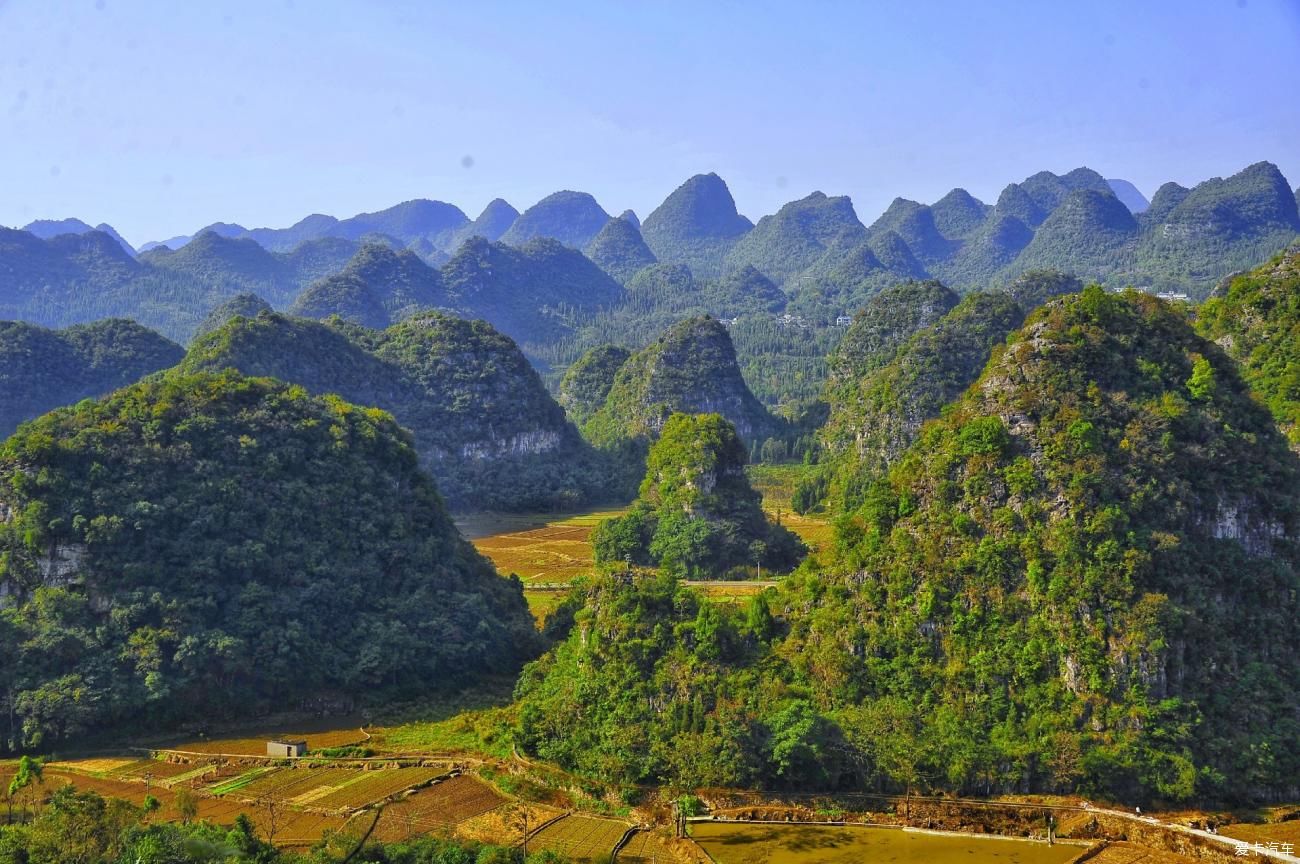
x=187 y=806
x=30 y=771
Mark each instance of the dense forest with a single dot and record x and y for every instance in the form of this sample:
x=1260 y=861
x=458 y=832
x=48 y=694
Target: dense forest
x=198 y=545
x=482 y=422
x=1074 y=579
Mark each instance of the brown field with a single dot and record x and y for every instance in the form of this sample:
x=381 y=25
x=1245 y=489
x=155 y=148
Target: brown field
x=646 y=847
x=1268 y=832
x=438 y=807
x=1131 y=853
x=540 y=547
x=581 y=838
x=292 y=827
x=502 y=826
x=372 y=786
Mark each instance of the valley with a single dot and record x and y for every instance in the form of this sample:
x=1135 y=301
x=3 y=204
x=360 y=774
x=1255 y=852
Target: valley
x=658 y=433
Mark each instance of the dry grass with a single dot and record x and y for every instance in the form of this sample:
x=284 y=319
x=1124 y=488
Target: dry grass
x=501 y=827
x=438 y=807
x=1131 y=853
x=539 y=547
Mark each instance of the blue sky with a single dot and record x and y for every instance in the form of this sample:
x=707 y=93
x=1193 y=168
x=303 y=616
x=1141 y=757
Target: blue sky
x=161 y=117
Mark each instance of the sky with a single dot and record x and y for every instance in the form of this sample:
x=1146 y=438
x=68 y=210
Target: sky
x=162 y=117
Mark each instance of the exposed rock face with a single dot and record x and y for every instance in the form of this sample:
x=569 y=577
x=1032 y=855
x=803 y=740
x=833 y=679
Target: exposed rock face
x=482 y=419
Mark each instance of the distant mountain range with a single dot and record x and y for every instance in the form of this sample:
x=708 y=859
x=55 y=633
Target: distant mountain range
x=524 y=271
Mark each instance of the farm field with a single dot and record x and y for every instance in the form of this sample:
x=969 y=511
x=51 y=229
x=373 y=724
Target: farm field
x=291 y=827
x=439 y=806
x=582 y=838
x=646 y=847
x=1131 y=853
x=541 y=548
x=731 y=843
x=1267 y=832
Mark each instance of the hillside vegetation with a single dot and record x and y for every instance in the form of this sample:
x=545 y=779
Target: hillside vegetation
x=205 y=546
x=44 y=369
x=483 y=424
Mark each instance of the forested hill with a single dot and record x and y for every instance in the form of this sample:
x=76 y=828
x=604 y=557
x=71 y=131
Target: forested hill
x=692 y=369
x=1082 y=577
x=43 y=369
x=206 y=546
x=77 y=278
x=1255 y=316
x=483 y=424
x=1089 y=531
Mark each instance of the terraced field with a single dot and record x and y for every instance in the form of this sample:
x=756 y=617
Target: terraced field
x=582 y=838
x=340 y=789
x=439 y=806
x=292 y=828
x=646 y=847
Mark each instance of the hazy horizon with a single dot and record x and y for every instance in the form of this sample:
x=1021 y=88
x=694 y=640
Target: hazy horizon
x=159 y=119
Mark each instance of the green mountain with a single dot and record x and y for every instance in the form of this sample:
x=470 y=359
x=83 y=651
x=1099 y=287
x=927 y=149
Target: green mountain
x=696 y=225
x=690 y=369
x=420 y=222
x=1049 y=190
x=619 y=250
x=881 y=414
x=48 y=228
x=573 y=218
x=1084 y=538
x=494 y=221
x=1033 y=288
x=203 y=546
x=1089 y=232
x=993 y=246
x=483 y=424
x=240 y=265
x=1126 y=192
x=241 y=305
x=1167 y=197
x=886 y=321
x=1015 y=201
x=915 y=224
x=959 y=214
x=1057 y=588
x=44 y=369
x=587 y=382
x=1219 y=226
x=744 y=290
x=630 y=216
x=696 y=515
x=535 y=294
x=1255 y=317
x=784 y=245
x=378 y=287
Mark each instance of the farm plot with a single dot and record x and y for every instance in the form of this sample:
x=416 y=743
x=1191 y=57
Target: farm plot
x=289 y=784
x=440 y=806
x=291 y=827
x=545 y=548
x=582 y=838
x=646 y=847
x=156 y=770
x=367 y=787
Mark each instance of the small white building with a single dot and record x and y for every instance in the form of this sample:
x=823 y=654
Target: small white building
x=286 y=748
x=843 y=320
